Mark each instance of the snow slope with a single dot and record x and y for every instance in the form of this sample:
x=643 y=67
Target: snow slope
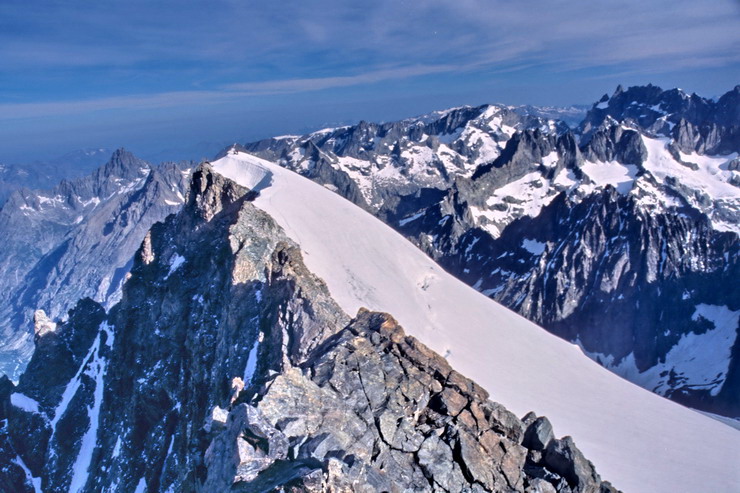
x=637 y=440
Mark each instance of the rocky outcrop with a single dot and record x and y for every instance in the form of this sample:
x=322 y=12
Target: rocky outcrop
x=375 y=410
x=226 y=366
x=42 y=325
x=615 y=143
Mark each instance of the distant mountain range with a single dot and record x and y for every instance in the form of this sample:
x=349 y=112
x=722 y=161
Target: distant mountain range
x=77 y=240
x=613 y=233
x=231 y=363
x=47 y=174
x=233 y=326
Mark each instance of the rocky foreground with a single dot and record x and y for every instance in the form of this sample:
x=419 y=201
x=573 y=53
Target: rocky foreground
x=228 y=367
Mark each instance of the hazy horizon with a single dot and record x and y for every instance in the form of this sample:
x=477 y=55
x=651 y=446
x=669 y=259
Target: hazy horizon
x=166 y=76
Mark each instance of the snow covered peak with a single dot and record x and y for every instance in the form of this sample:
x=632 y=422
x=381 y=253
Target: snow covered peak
x=368 y=162
x=255 y=177
x=662 y=112
x=618 y=425
x=704 y=183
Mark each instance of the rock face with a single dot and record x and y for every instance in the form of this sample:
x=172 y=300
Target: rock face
x=614 y=235
x=629 y=286
x=77 y=240
x=226 y=366
x=695 y=123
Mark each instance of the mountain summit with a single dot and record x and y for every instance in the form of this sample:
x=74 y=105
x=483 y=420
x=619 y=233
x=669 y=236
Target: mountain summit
x=229 y=364
x=77 y=241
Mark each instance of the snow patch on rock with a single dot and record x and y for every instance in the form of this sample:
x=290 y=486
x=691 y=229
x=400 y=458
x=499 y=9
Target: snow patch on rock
x=24 y=402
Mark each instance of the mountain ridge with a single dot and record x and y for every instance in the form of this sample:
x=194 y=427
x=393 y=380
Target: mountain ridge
x=525 y=170
x=536 y=166
x=304 y=408
x=410 y=288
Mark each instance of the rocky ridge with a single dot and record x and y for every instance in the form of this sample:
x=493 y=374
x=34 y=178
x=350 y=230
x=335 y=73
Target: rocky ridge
x=695 y=124
x=227 y=366
x=371 y=163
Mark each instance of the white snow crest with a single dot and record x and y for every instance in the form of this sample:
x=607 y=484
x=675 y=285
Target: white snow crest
x=705 y=179
x=175 y=263
x=620 y=176
x=109 y=335
x=251 y=366
x=551 y=159
x=711 y=351
x=72 y=387
x=406 y=220
x=533 y=246
x=141 y=486
x=531 y=194
x=700 y=361
x=117 y=448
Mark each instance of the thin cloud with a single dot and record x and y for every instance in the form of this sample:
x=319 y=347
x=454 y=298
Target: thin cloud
x=164 y=100
x=321 y=83
x=160 y=58
x=294 y=38
x=224 y=94
x=230 y=92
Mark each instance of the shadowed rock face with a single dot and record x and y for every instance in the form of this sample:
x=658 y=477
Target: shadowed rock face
x=227 y=366
x=620 y=280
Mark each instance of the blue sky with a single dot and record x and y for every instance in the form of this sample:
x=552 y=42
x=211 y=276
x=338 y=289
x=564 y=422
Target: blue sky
x=155 y=75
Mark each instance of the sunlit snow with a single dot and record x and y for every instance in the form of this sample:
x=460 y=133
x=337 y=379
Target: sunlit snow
x=620 y=176
x=141 y=486
x=34 y=482
x=251 y=365
x=175 y=263
x=533 y=246
x=639 y=441
x=80 y=470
